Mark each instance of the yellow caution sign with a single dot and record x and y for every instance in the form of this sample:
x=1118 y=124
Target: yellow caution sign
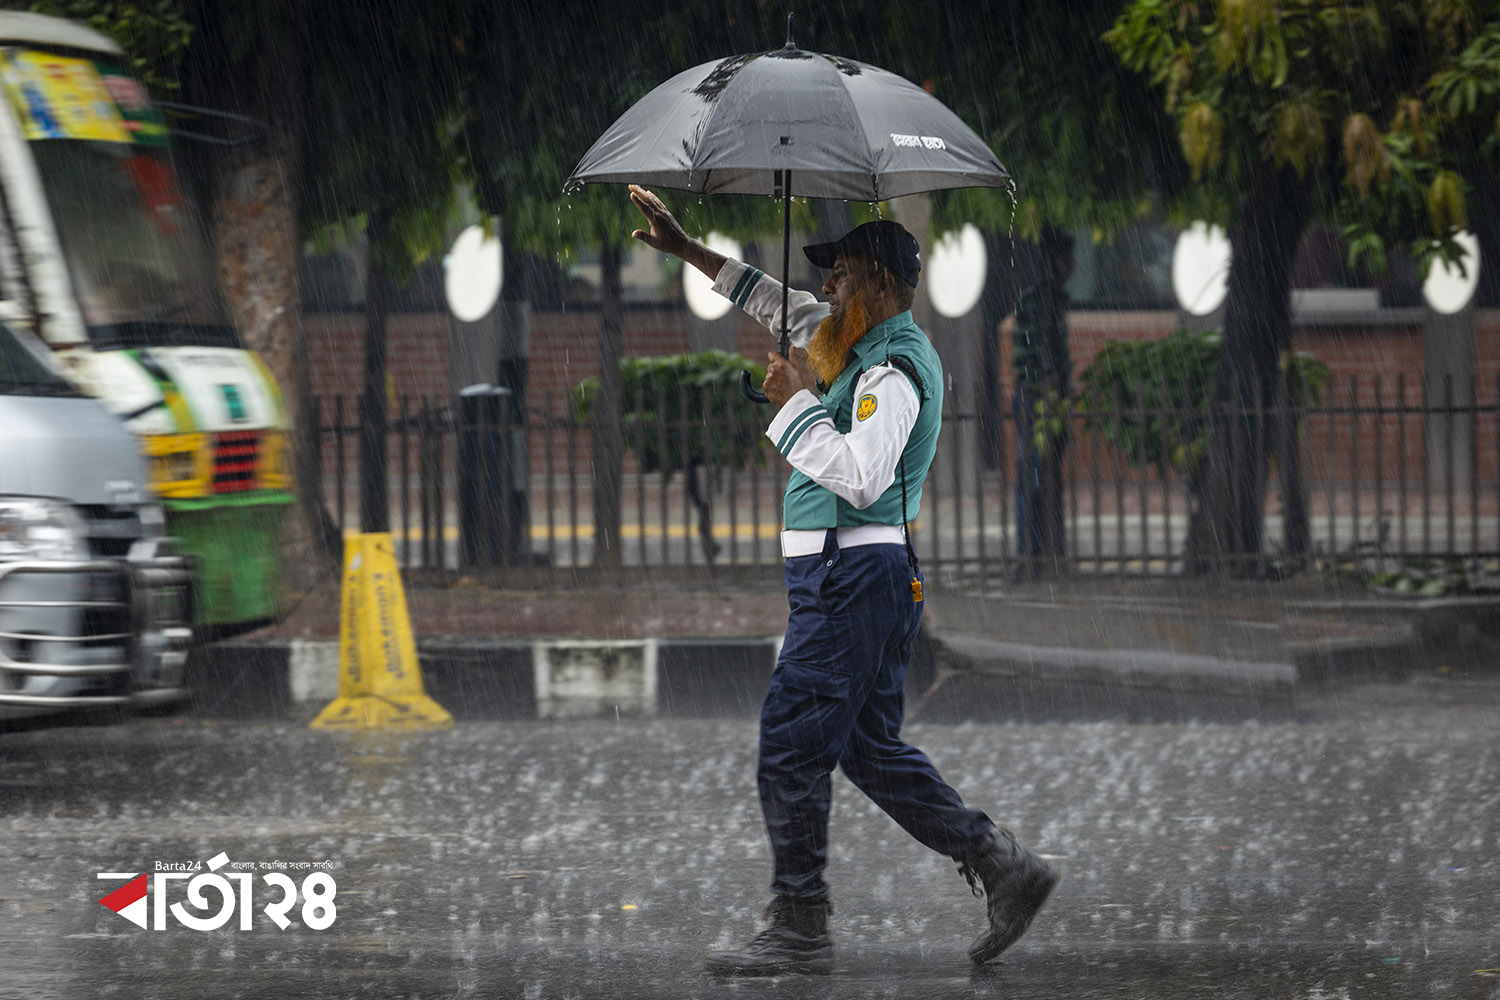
x=380 y=680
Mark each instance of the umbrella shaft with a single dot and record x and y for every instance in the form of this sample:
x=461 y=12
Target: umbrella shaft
x=784 y=341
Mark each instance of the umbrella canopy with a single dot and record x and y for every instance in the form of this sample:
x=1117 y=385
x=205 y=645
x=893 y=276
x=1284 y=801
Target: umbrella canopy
x=843 y=129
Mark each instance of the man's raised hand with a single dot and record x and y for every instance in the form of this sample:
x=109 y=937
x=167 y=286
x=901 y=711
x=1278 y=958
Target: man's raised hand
x=665 y=233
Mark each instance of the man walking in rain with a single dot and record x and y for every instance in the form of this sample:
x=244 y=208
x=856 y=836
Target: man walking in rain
x=860 y=449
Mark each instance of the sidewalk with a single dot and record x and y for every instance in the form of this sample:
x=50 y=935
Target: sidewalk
x=678 y=649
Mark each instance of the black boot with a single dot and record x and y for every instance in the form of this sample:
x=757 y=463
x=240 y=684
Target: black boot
x=796 y=941
x=1016 y=882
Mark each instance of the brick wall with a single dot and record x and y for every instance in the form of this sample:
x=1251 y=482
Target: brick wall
x=564 y=351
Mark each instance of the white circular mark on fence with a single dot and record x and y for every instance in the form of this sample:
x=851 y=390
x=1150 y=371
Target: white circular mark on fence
x=473 y=273
x=1447 y=289
x=956 y=270
x=1200 y=268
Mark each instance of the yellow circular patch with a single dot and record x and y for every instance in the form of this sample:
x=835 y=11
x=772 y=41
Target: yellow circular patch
x=866 y=406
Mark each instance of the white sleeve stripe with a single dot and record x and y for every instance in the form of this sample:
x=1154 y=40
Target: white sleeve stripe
x=747 y=284
x=799 y=424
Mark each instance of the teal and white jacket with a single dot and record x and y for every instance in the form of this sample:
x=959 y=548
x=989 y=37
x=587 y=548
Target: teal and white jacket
x=846 y=448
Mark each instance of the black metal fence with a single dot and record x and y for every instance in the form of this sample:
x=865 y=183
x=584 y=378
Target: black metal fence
x=1391 y=474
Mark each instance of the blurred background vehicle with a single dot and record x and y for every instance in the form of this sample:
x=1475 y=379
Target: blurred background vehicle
x=103 y=258
x=93 y=601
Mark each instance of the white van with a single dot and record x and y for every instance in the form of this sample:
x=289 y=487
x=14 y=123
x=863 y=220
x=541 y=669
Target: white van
x=92 y=600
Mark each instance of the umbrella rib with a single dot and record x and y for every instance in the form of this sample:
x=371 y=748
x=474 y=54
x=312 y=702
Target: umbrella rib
x=864 y=136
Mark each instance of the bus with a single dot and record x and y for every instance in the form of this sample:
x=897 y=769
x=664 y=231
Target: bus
x=104 y=260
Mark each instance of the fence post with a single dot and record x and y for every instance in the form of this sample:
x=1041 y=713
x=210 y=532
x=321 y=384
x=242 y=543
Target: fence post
x=1472 y=460
x=315 y=414
x=639 y=445
x=732 y=477
x=1450 y=477
x=1381 y=528
x=982 y=452
x=683 y=466
x=443 y=424
x=404 y=433
x=424 y=465
x=1141 y=466
x=1163 y=417
x=551 y=471
x=1235 y=410
x=1401 y=462
x=1296 y=530
x=1354 y=466
x=1118 y=405
x=338 y=453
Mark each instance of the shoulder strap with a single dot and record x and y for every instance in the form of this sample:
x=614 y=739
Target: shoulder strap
x=904 y=366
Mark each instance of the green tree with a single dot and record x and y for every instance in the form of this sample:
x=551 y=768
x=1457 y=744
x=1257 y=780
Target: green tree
x=1464 y=98
x=1286 y=113
x=154 y=33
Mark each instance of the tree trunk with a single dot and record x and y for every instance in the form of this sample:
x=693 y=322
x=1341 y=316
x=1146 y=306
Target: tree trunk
x=1484 y=220
x=514 y=374
x=251 y=194
x=374 y=500
x=1230 y=491
x=254 y=222
x=608 y=438
x=1296 y=525
x=997 y=302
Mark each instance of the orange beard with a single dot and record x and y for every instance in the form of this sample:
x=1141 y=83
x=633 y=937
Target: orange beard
x=828 y=351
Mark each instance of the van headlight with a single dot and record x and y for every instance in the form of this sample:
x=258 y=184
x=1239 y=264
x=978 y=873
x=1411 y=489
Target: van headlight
x=43 y=530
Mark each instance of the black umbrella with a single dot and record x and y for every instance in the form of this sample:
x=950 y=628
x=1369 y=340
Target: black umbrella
x=747 y=124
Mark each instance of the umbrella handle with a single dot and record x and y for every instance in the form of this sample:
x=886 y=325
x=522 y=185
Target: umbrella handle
x=751 y=393
x=746 y=386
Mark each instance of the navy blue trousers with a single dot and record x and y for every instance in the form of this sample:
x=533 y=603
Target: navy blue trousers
x=836 y=699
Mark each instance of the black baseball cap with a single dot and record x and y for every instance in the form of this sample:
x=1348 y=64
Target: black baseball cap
x=885 y=240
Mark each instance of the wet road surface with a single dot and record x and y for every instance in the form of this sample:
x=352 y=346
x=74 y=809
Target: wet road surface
x=1352 y=852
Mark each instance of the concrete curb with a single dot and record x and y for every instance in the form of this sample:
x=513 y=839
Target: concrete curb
x=1148 y=662
x=1128 y=666
x=497 y=678
x=509 y=679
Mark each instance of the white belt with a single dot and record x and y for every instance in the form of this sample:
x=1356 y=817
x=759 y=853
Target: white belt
x=810 y=543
